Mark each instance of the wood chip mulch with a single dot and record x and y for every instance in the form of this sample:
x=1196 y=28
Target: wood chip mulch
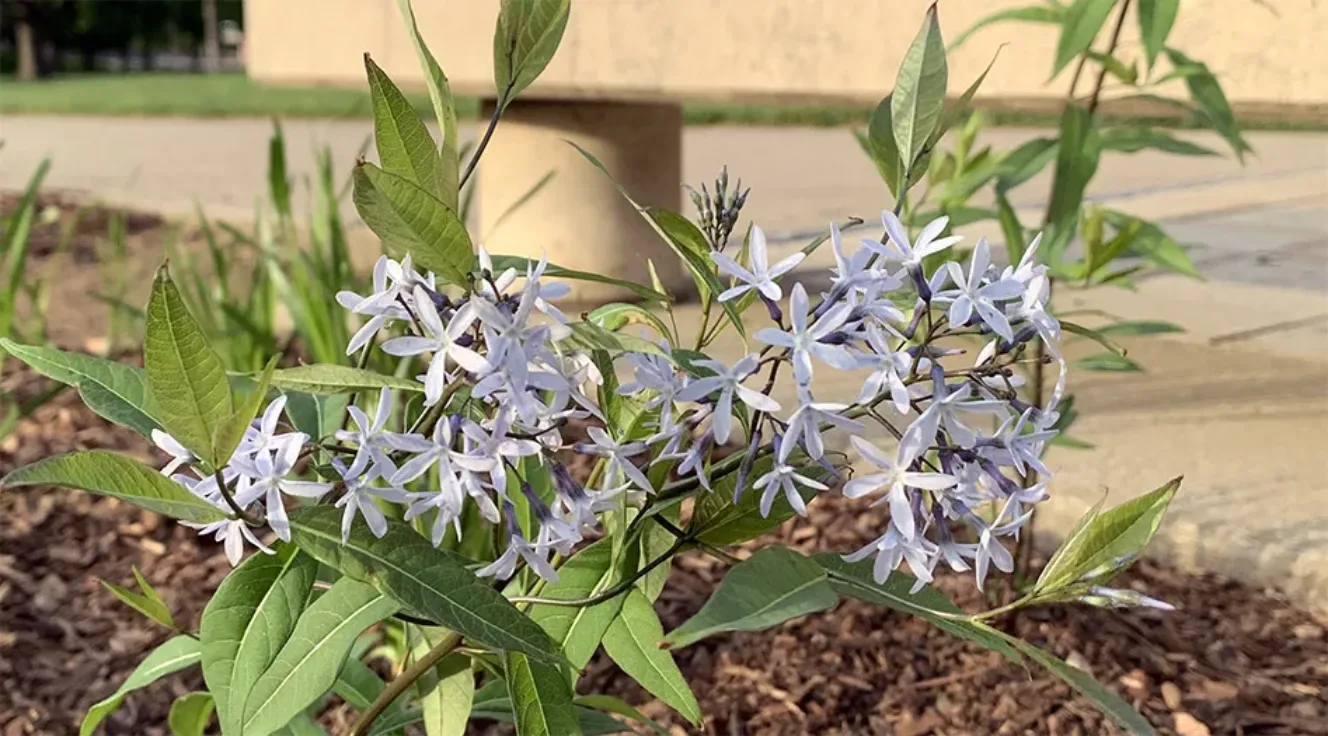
x=1232 y=660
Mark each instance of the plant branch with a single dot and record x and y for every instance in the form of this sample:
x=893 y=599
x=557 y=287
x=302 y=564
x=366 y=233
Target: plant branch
x=488 y=133
x=1111 y=49
x=613 y=592
x=403 y=682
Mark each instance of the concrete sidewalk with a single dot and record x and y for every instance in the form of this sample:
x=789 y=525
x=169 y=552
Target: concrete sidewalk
x=1238 y=403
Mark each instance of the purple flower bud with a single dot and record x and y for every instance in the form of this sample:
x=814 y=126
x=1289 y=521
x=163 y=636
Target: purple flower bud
x=920 y=283
x=772 y=307
x=465 y=340
x=564 y=483
x=748 y=459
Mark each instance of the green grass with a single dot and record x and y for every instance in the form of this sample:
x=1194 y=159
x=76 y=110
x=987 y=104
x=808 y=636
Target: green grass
x=235 y=95
x=190 y=95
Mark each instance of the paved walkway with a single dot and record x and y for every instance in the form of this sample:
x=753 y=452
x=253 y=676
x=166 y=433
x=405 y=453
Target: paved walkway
x=1238 y=404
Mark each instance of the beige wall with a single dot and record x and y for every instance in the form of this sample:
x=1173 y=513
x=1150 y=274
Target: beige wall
x=798 y=51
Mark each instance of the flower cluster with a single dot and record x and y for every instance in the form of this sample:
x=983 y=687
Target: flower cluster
x=503 y=373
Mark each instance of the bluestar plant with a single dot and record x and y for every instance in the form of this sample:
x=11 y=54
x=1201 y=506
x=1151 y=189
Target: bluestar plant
x=453 y=523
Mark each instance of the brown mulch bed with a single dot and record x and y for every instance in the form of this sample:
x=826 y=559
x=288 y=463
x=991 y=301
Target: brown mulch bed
x=66 y=219
x=1232 y=660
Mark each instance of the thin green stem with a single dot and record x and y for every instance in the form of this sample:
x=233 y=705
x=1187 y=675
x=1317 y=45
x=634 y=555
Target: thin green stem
x=403 y=682
x=230 y=500
x=498 y=106
x=613 y=592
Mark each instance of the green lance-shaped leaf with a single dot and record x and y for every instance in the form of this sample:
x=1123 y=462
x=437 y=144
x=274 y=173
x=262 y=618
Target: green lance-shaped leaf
x=541 y=698
x=1076 y=161
x=721 y=522
x=230 y=433
x=108 y=474
x=611 y=704
x=1024 y=162
x=590 y=337
x=1108 y=702
x=521 y=264
x=616 y=316
x=1011 y=229
x=854 y=579
x=315 y=415
x=117 y=392
x=524 y=41
x=447 y=691
x=1207 y=94
x=327 y=378
x=307 y=664
x=426 y=581
x=174 y=655
x=248 y=620
x=579 y=630
x=1113 y=362
x=1049 y=13
x=1140 y=327
x=1083 y=19
x=413 y=221
x=444 y=109
x=919 y=94
x=1132 y=139
x=1104 y=542
x=771 y=587
x=633 y=642
x=186 y=379
x=1156 y=17
x=1154 y=244
x=881 y=146
x=1093 y=335
x=190 y=714
x=148 y=603
x=405 y=147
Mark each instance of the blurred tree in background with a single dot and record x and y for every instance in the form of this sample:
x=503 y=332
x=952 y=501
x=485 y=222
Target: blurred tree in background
x=39 y=38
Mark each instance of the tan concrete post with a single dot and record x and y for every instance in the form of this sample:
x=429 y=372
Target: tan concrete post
x=578 y=218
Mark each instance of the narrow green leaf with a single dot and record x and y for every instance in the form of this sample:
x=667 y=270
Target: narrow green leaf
x=619 y=706
x=1083 y=19
x=579 y=630
x=1108 y=362
x=854 y=579
x=721 y=522
x=633 y=642
x=413 y=221
x=447 y=691
x=14 y=247
x=1140 y=327
x=520 y=263
x=1108 y=702
x=303 y=725
x=174 y=655
x=1156 y=18
x=230 y=434
x=405 y=147
x=244 y=626
x=1207 y=94
x=615 y=316
x=1154 y=244
x=527 y=35
x=590 y=337
x=1011 y=229
x=186 y=379
x=190 y=714
x=326 y=378
x=315 y=415
x=1093 y=335
x=1104 y=541
x=444 y=109
x=307 y=664
x=117 y=392
x=1024 y=162
x=880 y=145
x=426 y=581
x=765 y=590
x=358 y=684
x=919 y=94
x=1076 y=162
x=148 y=603
x=1132 y=139
x=1049 y=13
x=1116 y=68
x=541 y=698
x=108 y=474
